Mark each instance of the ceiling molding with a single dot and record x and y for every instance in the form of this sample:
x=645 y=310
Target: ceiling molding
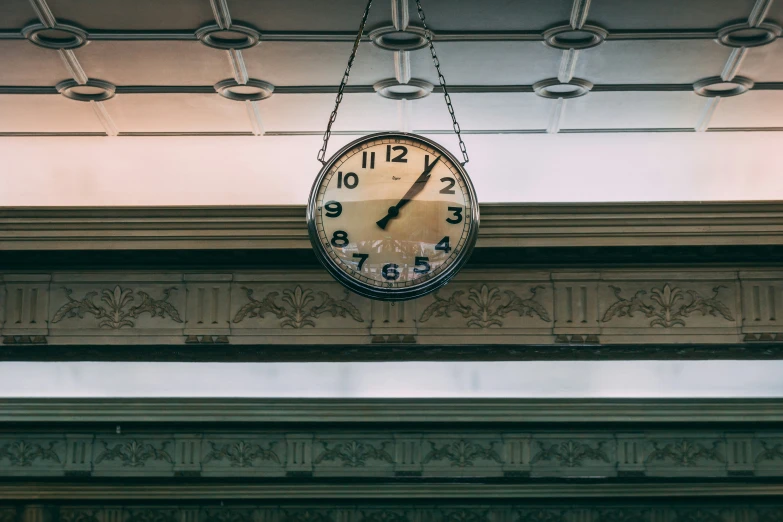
x=182 y=490
x=502 y=225
x=368 y=411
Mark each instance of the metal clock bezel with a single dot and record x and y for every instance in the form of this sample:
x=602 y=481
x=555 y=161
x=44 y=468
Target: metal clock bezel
x=393 y=294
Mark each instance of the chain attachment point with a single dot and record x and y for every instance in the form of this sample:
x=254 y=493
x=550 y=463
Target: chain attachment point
x=343 y=82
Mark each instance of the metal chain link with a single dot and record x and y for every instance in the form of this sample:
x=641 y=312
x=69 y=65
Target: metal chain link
x=442 y=80
x=328 y=133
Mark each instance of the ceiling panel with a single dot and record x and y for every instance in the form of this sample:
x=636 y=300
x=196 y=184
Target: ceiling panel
x=154 y=63
x=764 y=64
x=317 y=63
x=51 y=113
x=310 y=113
x=488 y=63
x=491 y=15
x=633 y=110
x=668 y=14
x=451 y=15
x=135 y=14
x=775 y=13
x=22 y=63
x=651 y=61
x=495 y=111
x=15 y=14
x=752 y=109
x=177 y=113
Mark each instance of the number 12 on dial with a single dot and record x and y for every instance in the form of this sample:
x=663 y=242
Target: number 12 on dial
x=393 y=216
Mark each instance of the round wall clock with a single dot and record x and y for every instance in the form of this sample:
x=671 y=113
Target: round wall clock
x=393 y=216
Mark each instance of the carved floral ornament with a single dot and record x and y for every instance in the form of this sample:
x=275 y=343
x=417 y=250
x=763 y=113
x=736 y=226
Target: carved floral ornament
x=623 y=511
x=114 y=310
x=667 y=306
x=485 y=307
x=298 y=308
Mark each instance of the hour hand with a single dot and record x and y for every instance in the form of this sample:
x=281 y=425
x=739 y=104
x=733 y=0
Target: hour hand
x=417 y=187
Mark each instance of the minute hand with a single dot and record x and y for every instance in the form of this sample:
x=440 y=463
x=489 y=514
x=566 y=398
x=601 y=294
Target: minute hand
x=417 y=187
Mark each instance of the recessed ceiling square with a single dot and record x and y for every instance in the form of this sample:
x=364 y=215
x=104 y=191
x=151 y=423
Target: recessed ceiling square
x=633 y=110
x=20 y=113
x=651 y=61
x=178 y=113
x=155 y=63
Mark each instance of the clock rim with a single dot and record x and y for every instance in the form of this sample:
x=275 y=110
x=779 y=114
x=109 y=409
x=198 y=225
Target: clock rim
x=392 y=294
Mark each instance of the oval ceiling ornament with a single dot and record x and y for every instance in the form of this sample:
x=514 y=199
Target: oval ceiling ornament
x=237 y=36
x=554 y=88
x=93 y=90
x=566 y=37
x=252 y=90
x=745 y=35
x=394 y=90
x=61 y=36
x=389 y=38
x=717 y=86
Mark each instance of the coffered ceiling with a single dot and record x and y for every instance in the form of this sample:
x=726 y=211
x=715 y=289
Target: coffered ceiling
x=150 y=67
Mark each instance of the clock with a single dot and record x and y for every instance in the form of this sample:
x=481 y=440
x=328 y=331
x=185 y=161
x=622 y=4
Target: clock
x=393 y=216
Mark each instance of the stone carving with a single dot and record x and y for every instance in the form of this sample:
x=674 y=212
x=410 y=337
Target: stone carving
x=134 y=453
x=298 y=310
x=570 y=453
x=685 y=453
x=307 y=515
x=541 y=515
x=384 y=516
x=78 y=515
x=241 y=454
x=153 y=515
x=770 y=452
x=466 y=515
x=115 y=311
x=228 y=515
x=485 y=309
x=623 y=515
x=697 y=516
x=461 y=453
x=354 y=453
x=664 y=309
x=21 y=453
x=771 y=515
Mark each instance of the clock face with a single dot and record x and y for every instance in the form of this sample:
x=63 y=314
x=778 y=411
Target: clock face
x=393 y=216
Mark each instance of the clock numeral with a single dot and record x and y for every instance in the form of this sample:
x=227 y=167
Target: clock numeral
x=341 y=236
x=362 y=258
x=450 y=188
x=350 y=180
x=390 y=272
x=334 y=209
x=422 y=261
x=457 y=215
x=400 y=158
x=364 y=160
x=443 y=245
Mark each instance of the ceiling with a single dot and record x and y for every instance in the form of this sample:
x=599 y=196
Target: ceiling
x=143 y=67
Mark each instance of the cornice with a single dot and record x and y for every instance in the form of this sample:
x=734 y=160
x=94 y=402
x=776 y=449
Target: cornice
x=283 y=227
x=20 y=490
x=399 y=411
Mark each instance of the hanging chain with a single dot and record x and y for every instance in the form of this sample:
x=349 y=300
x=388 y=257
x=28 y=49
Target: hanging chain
x=442 y=80
x=328 y=133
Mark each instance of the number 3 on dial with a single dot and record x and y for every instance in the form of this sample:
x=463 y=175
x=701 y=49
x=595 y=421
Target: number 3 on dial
x=393 y=216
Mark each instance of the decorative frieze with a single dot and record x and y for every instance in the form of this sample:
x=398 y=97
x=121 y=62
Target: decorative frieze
x=535 y=454
x=565 y=511
x=496 y=307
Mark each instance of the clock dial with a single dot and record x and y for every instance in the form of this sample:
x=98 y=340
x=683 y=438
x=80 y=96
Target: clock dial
x=392 y=213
